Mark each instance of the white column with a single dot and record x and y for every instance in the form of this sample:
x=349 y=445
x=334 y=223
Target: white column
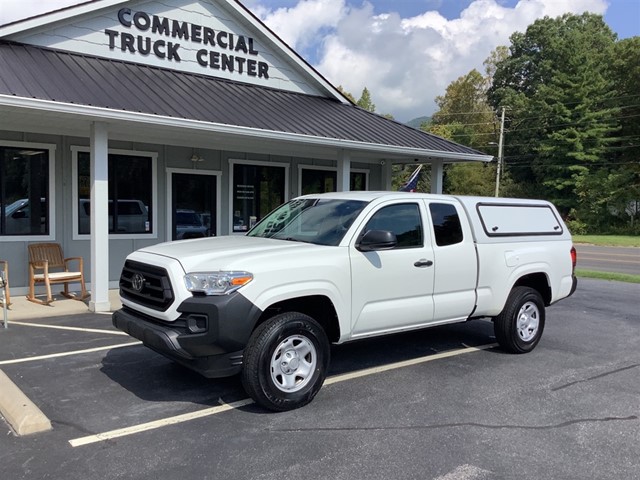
x=387 y=175
x=437 y=172
x=99 y=218
x=344 y=172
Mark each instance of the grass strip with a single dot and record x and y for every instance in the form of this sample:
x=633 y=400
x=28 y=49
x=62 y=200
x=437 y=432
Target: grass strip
x=608 y=240
x=616 y=277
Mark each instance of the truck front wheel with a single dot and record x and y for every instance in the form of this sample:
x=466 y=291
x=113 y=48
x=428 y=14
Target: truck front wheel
x=519 y=326
x=285 y=361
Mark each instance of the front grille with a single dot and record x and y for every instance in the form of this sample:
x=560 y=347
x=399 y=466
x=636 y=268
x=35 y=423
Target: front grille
x=146 y=285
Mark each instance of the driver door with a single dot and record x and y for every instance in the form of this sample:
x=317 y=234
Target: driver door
x=393 y=289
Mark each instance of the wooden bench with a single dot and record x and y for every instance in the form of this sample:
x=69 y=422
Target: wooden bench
x=48 y=259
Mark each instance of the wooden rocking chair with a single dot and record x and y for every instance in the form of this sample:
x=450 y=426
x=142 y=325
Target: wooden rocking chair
x=48 y=259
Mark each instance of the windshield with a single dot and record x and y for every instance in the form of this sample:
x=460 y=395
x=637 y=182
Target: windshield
x=312 y=220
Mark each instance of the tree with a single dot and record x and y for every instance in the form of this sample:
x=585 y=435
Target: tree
x=465 y=117
x=562 y=120
x=365 y=101
x=465 y=110
x=346 y=94
x=625 y=181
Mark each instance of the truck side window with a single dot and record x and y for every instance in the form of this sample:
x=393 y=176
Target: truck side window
x=446 y=224
x=403 y=219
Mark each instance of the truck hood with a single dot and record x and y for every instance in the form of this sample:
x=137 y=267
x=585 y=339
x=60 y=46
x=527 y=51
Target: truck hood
x=226 y=252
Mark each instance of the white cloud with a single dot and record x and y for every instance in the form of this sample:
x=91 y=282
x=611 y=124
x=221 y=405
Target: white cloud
x=301 y=25
x=11 y=10
x=406 y=63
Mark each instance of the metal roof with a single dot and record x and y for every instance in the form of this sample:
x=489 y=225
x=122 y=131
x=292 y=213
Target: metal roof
x=33 y=72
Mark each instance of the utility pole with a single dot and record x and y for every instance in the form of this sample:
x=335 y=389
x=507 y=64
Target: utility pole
x=500 y=144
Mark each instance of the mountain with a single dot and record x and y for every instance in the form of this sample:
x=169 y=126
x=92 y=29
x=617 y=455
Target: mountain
x=416 y=122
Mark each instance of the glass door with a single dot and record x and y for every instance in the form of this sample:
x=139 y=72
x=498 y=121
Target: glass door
x=193 y=205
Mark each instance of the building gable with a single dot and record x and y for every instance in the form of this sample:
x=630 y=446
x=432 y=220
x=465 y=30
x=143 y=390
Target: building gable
x=218 y=38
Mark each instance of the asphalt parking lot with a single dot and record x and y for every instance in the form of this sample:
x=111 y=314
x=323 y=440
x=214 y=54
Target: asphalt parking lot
x=568 y=410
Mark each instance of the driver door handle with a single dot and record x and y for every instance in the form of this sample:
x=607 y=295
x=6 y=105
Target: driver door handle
x=423 y=263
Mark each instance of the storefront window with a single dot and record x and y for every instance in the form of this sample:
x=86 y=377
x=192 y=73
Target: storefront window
x=130 y=194
x=24 y=191
x=358 y=181
x=321 y=181
x=257 y=190
x=318 y=181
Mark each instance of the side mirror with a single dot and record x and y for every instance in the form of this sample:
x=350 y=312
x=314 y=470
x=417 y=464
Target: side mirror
x=377 y=240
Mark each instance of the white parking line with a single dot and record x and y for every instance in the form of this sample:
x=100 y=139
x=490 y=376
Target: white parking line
x=406 y=363
x=143 y=427
x=66 y=354
x=77 y=329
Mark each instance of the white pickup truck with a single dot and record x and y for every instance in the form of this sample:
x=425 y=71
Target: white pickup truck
x=336 y=267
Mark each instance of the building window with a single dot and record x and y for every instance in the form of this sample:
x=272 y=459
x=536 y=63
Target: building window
x=316 y=180
x=130 y=194
x=257 y=190
x=403 y=219
x=25 y=191
x=358 y=181
x=446 y=224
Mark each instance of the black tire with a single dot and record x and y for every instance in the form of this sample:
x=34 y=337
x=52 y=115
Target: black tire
x=285 y=361
x=519 y=326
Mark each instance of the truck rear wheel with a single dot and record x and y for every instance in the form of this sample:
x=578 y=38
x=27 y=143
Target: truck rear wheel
x=519 y=326
x=285 y=361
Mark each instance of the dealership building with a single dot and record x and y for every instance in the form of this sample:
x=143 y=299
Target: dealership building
x=128 y=123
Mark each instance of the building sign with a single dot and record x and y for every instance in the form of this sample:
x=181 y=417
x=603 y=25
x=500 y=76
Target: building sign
x=164 y=38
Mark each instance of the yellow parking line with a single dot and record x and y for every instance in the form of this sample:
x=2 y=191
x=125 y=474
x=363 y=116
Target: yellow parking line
x=66 y=354
x=606 y=259
x=143 y=427
x=586 y=253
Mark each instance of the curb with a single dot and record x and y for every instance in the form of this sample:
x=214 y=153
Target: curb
x=20 y=413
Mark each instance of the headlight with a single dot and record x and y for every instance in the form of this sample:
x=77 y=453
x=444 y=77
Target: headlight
x=216 y=283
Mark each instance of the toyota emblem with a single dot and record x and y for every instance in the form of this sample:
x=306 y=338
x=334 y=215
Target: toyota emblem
x=137 y=282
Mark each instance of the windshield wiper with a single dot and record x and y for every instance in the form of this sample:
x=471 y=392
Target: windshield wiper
x=293 y=239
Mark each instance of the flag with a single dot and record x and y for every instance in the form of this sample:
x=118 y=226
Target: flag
x=412 y=183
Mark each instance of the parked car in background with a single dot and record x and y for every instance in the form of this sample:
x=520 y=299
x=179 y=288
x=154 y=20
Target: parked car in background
x=133 y=216
x=189 y=225
x=18 y=217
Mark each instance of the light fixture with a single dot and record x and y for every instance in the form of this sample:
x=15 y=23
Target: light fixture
x=195 y=159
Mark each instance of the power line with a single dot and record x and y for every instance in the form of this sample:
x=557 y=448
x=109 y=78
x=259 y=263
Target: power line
x=477 y=112
x=578 y=123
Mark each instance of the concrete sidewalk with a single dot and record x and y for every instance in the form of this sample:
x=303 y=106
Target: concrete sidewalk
x=21 y=309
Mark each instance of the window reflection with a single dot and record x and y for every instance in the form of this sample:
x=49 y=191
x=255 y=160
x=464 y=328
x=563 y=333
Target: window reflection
x=321 y=181
x=257 y=190
x=24 y=191
x=130 y=194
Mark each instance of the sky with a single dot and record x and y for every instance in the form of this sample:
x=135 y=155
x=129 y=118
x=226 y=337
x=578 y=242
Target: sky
x=405 y=52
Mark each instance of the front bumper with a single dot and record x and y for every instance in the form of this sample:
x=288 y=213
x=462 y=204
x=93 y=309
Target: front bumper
x=209 y=337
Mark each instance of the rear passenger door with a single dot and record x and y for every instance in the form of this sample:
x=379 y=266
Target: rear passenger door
x=455 y=262
x=392 y=289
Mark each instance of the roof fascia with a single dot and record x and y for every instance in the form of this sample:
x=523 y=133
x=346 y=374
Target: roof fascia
x=39 y=21
x=102 y=114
